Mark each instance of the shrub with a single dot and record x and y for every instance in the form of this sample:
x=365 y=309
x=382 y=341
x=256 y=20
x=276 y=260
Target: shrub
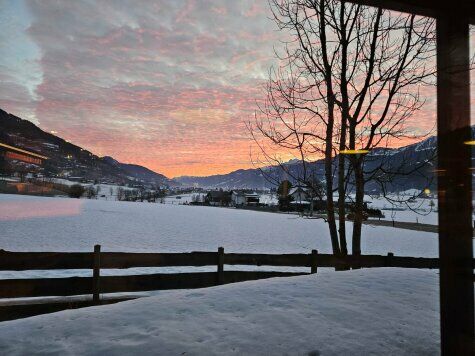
x=375 y=213
x=284 y=203
x=76 y=191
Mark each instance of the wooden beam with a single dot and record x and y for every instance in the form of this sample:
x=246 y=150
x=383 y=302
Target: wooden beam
x=428 y=8
x=96 y=274
x=314 y=262
x=35 y=307
x=36 y=287
x=454 y=183
x=19 y=261
x=220 y=265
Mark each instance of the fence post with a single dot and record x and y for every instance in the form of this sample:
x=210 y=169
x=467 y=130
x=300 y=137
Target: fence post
x=220 y=265
x=389 y=259
x=313 y=261
x=96 y=274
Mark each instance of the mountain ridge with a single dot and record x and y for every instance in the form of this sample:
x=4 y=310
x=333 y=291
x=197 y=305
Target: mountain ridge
x=72 y=160
x=69 y=160
x=413 y=155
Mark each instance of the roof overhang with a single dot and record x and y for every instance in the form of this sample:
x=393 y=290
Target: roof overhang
x=22 y=151
x=430 y=8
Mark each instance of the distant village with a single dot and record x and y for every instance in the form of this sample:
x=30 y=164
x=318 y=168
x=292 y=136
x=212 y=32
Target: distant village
x=28 y=178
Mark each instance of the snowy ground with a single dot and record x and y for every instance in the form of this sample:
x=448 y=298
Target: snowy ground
x=184 y=198
x=105 y=191
x=30 y=223
x=420 y=210
x=361 y=312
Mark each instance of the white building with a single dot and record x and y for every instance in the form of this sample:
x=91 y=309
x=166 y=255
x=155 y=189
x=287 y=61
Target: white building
x=240 y=198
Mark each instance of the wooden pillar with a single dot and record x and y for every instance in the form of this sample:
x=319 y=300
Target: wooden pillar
x=96 y=275
x=454 y=183
x=389 y=259
x=220 y=265
x=314 y=261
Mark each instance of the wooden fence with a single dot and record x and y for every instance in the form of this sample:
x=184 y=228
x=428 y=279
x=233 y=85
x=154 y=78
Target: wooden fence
x=97 y=284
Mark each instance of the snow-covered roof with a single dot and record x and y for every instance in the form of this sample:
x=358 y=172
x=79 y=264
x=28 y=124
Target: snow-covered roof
x=297 y=189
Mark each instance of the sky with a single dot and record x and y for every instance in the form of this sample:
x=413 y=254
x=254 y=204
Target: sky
x=165 y=84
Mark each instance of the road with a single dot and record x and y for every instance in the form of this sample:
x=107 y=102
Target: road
x=403 y=225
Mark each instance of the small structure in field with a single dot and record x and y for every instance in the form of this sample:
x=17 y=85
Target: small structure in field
x=239 y=198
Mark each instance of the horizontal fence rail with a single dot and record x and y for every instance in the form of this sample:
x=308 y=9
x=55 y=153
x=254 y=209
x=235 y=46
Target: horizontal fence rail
x=21 y=261
x=42 y=287
x=97 y=285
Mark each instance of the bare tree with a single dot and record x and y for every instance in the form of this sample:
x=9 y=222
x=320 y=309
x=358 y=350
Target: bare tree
x=348 y=81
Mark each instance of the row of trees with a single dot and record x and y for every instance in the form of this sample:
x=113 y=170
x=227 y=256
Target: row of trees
x=349 y=80
x=121 y=194
x=141 y=195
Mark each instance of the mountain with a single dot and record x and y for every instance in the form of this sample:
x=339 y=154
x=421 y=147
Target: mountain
x=414 y=165
x=242 y=178
x=69 y=160
x=138 y=172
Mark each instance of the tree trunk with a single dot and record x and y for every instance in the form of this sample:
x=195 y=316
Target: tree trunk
x=344 y=120
x=358 y=213
x=331 y=213
x=329 y=185
x=341 y=204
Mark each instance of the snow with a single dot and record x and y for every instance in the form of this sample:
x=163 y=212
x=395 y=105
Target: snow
x=269 y=199
x=358 y=312
x=184 y=198
x=29 y=223
x=62 y=224
x=420 y=210
x=106 y=191
x=361 y=312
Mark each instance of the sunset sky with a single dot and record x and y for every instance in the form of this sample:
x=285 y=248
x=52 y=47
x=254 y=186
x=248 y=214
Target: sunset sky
x=165 y=84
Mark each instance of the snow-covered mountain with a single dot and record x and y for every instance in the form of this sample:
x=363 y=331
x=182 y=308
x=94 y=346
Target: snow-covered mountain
x=414 y=165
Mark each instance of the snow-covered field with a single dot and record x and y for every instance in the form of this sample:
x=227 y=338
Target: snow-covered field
x=184 y=198
x=361 y=312
x=29 y=223
x=61 y=224
x=421 y=210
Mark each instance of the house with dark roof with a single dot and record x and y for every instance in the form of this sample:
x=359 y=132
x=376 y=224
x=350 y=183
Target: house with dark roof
x=218 y=198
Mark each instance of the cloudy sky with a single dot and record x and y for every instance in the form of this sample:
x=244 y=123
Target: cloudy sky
x=166 y=84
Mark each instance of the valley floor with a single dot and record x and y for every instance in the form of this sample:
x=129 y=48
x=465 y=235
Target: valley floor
x=31 y=223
